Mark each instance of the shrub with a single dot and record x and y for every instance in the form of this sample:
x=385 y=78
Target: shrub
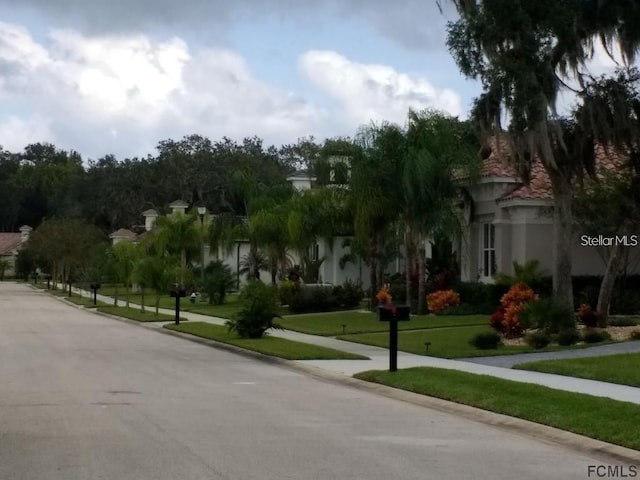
x=496 y=321
x=538 y=340
x=312 y=299
x=441 y=300
x=512 y=304
x=259 y=307
x=635 y=335
x=349 y=294
x=486 y=341
x=548 y=314
x=595 y=336
x=623 y=322
x=625 y=302
x=569 y=336
x=511 y=325
x=218 y=280
x=286 y=290
x=588 y=316
x=384 y=296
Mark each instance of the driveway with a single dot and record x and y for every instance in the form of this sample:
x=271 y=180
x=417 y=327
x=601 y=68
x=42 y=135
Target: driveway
x=87 y=397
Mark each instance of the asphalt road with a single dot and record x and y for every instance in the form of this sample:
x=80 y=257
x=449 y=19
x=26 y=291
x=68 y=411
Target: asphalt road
x=88 y=397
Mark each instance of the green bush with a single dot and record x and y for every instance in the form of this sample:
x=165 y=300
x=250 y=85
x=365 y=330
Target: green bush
x=568 y=337
x=538 y=340
x=286 y=290
x=218 y=280
x=349 y=295
x=595 y=336
x=486 y=341
x=548 y=314
x=259 y=307
x=623 y=322
x=625 y=302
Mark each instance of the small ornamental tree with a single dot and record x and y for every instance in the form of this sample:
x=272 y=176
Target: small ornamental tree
x=441 y=300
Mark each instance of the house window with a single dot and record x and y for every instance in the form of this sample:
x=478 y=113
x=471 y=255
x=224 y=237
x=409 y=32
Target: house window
x=314 y=252
x=488 y=251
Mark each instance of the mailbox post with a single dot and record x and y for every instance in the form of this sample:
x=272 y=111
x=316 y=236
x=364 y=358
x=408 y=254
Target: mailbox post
x=69 y=282
x=393 y=315
x=177 y=292
x=94 y=287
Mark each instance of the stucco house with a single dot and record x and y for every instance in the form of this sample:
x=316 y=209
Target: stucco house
x=512 y=221
x=10 y=244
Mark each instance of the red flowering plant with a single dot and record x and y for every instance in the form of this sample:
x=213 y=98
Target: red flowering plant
x=588 y=316
x=441 y=300
x=506 y=319
x=383 y=296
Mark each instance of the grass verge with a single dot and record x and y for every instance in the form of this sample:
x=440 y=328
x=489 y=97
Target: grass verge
x=276 y=347
x=137 y=315
x=623 y=369
x=331 y=324
x=85 y=301
x=600 y=418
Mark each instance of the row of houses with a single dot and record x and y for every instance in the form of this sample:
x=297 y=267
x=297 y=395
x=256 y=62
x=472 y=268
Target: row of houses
x=507 y=221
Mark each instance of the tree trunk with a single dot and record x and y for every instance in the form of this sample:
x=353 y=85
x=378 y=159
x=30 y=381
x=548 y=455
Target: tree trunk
x=373 y=278
x=115 y=297
x=421 y=275
x=126 y=294
x=380 y=256
x=614 y=265
x=408 y=263
x=142 y=299
x=157 y=305
x=562 y=240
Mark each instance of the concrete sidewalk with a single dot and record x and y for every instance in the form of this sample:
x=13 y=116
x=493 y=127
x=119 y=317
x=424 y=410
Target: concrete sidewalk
x=379 y=360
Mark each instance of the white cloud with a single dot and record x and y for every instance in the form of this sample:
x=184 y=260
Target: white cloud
x=122 y=94
x=374 y=92
x=16 y=132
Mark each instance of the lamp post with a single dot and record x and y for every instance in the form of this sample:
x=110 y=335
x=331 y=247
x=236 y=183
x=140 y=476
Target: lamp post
x=202 y=211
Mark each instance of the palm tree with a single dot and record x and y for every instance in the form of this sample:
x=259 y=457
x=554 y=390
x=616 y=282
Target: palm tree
x=125 y=256
x=439 y=151
x=376 y=192
x=178 y=234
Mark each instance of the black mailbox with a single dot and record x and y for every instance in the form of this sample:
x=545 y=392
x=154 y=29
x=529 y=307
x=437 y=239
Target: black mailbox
x=177 y=293
x=387 y=313
x=94 y=286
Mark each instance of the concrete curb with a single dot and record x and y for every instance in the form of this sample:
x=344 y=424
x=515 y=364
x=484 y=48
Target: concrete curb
x=575 y=441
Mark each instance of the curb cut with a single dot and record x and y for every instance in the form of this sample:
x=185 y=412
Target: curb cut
x=587 y=445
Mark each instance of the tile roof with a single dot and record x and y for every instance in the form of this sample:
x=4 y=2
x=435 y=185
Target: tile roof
x=9 y=241
x=123 y=233
x=539 y=186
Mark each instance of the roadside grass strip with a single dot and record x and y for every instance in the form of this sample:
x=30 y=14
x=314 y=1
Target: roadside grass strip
x=133 y=313
x=600 y=418
x=274 y=346
x=623 y=368
x=339 y=323
x=85 y=301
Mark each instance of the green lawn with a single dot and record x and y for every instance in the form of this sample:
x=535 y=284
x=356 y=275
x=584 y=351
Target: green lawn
x=330 y=324
x=277 y=347
x=135 y=314
x=600 y=418
x=227 y=310
x=445 y=343
x=85 y=301
x=623 y=369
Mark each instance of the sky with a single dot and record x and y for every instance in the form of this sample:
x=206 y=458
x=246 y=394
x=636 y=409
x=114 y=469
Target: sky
x=117 y=77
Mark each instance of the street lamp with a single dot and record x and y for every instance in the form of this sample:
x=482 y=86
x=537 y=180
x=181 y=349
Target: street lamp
x=202 y=211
